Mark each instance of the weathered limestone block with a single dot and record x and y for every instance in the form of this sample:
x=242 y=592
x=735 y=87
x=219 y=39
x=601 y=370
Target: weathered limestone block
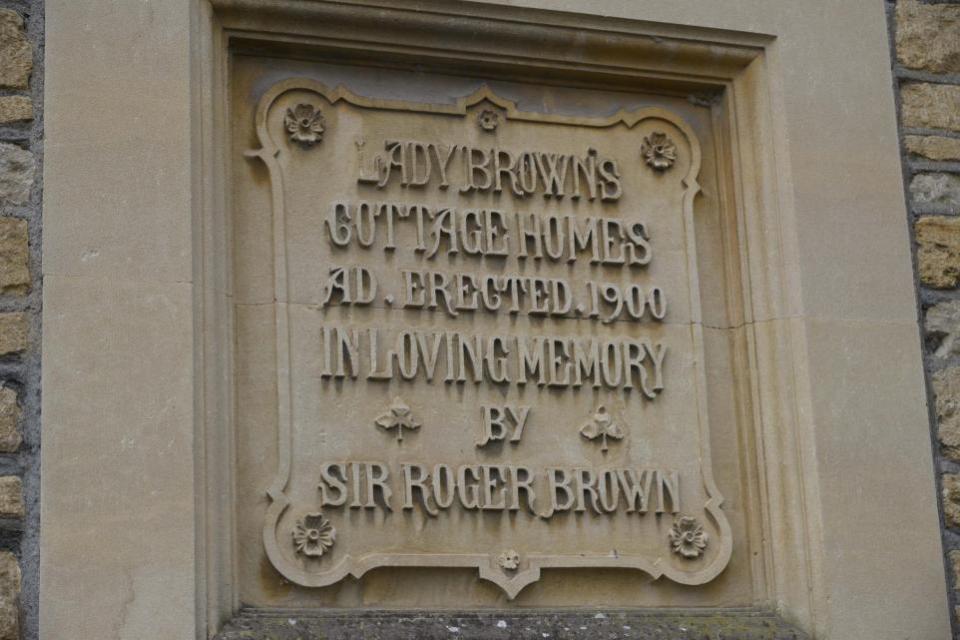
x=11 y=497
x=946 y=386
x=9 y=421
x=942 y=324
x=16 y=56
x=16 y=174
x=15 y=109
x=928 y=36
x=14 y=332
x=933 y=147
x=954 y=557
x=14 y=256
x=951 y=499
x=938 y=251
x=939 y=189
x=931 y=105
x=9 y=596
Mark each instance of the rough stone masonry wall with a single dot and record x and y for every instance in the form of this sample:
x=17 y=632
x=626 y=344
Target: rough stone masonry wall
x=925 y=35
x=21 y=148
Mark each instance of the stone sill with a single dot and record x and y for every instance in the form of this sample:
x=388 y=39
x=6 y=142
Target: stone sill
x=637 y=624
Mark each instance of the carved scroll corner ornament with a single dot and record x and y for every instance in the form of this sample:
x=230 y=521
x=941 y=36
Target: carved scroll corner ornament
x=304 y=125
x=687 y=538
x=397 y=416
x=313 y=535
x=602 y=426
x=509 y=560
x=489 y=120
x=658 y=151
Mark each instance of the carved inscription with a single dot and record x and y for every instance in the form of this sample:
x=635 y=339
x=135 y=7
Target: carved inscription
x=498 y=487
x=471 y=323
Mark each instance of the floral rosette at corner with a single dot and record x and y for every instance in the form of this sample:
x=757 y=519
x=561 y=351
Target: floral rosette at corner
x=687 y=538
x=313 y=535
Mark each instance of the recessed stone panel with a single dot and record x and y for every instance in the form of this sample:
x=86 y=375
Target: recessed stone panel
x=472 y=342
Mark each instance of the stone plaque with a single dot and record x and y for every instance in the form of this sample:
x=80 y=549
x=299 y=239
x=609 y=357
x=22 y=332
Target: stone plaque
x=470 y=335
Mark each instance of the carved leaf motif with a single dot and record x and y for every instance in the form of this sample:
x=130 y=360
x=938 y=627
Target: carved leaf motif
x=398 y=416
x=602 y=426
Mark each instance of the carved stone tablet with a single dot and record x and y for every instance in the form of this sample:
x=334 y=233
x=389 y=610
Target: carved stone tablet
x=470 y=336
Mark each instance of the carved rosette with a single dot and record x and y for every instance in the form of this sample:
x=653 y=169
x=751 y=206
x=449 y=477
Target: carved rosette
x=509 y=560
x=488 y=119
x=687 y=538
x=313 y=535
x=304 y=125
x=658 y=151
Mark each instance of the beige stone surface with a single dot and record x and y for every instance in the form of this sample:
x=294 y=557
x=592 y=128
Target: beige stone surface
x=16 y=55
x=14 y=333
x=938 y=251
x=118 y=281
x=9 y=420
x=17 y=168
x=135 y=136
x=11 y=497
x=870 y=567
x=145 y=431
x=946 y=386
x=9 y=596
x=14 y=256
x=15 y=108
x=930 y=105
x=928 y=36
x=933 y=147
x=875 y=432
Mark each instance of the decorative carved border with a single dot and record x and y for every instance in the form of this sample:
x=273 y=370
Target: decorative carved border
x=485 y=564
